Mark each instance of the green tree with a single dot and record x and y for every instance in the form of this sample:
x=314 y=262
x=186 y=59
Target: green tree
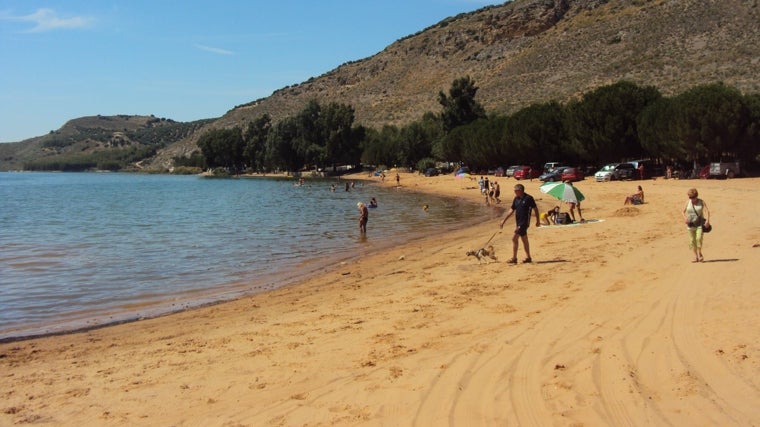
x=281 y=153
x=223 y=148
x=602 y=125
x=537 y=133
x=481 y=142
x=340 y=138
x=380 y=147
x=460 y=107
x=255 y=137
x=308 y=139
x=751 y=146
x=416 y=139
x=657 y=130
x=711 y=120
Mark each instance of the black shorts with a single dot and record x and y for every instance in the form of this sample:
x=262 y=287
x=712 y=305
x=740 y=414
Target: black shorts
x=522 y=230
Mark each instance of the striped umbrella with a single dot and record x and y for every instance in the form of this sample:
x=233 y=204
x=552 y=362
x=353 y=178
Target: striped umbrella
x=562 y=191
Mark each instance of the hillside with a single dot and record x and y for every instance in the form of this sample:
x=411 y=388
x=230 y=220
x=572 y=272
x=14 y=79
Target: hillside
x=98 y=137
x=529 y=51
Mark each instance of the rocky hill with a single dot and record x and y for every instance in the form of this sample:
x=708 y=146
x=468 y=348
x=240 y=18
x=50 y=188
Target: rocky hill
x=87 y=138
x=529 y=51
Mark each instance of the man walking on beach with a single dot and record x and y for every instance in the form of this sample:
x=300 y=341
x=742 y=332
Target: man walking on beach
x=521 y=207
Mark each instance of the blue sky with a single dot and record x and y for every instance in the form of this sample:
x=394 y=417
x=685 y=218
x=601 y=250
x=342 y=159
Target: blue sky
x=189 y=60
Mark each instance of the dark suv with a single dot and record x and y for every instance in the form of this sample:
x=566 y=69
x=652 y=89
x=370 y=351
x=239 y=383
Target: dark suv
x=624 y=171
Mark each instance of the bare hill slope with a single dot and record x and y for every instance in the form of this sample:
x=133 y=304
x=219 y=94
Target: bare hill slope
x=529 y=51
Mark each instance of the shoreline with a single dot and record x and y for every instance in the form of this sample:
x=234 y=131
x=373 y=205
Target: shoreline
x=612 y=324
x=85 y=321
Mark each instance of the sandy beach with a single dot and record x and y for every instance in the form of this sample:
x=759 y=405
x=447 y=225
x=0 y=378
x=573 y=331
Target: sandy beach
x=612 y=324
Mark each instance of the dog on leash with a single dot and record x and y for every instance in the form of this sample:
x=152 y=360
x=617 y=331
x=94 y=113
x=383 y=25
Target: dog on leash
x=483 y=253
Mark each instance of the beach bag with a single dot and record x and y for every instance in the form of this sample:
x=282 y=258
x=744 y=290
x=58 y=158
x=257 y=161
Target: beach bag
x=706 y=228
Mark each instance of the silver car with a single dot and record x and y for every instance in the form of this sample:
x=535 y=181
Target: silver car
x=605 y=174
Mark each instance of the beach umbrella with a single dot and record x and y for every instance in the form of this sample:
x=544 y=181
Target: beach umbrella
x=562 y=191
x=463 y=175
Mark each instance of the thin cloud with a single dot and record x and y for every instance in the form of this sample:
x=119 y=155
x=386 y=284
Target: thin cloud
x=214 y=50
x=48 y=20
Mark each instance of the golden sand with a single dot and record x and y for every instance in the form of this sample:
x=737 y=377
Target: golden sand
x=612 y=324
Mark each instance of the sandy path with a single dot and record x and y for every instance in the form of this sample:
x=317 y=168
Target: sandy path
x=611 y=325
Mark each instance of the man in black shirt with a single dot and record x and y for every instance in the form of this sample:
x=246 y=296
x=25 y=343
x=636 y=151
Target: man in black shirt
x=521 y=207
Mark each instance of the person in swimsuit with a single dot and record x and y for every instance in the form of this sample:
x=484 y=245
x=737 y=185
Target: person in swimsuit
x=636 y=198
x=363 y=217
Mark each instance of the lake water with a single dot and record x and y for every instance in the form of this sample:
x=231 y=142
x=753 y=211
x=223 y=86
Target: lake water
x=79 y=250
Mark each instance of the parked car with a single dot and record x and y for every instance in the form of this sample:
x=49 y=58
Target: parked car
x=725 y=169
x=648 y=168
x=605 y=174
x=704 y=172
x=551 y=166
x=526 y=172
x=573 y=174
x=555 y=175
x=589 y=170
x=432 y=172
x=511 y=170
x=499 y=171
x=624 y=171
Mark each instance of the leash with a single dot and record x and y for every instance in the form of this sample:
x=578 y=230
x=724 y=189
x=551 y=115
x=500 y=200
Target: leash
x=489 y=240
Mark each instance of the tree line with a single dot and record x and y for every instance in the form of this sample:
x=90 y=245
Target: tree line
x=611 y=123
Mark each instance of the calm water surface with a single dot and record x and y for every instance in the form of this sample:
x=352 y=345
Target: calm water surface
x=77 y=250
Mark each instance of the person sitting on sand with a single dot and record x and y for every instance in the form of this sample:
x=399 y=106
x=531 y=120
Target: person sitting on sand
x=550 y=217
x=636 y=198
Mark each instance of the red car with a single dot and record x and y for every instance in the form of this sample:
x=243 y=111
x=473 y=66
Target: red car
x=573 y=174
x=526 y=172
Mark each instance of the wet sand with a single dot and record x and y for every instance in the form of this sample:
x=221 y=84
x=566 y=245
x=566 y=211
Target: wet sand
x=612 y=324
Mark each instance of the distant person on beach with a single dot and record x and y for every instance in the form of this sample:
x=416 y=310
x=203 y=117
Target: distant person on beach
x=348 y=184
x=398 y=180
x=636 y=198
x=496 y=192
x=695 y=214
x=363 y=217
x=373 y=203
x=522 y=205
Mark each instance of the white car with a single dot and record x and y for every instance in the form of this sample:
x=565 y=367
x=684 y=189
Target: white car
x=606 y=173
